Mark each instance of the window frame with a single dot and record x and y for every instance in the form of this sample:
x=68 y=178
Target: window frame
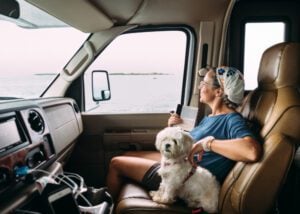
x=257 y=11
x=261 y=20
x=189 y=61
x=236 y=35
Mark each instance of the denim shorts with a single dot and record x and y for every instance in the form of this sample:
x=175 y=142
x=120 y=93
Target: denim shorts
x=152 y=179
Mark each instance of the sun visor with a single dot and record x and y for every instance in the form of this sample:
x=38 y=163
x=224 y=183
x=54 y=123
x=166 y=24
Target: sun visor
x=77 y=13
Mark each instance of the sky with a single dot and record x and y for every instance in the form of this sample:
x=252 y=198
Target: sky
x=162 y=52
x=29 y=50
x=48 y=50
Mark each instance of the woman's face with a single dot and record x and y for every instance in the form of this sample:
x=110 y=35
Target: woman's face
x=207 y=88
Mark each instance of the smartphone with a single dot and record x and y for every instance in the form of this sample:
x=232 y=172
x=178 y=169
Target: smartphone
x=178 y=109
x=63 y=201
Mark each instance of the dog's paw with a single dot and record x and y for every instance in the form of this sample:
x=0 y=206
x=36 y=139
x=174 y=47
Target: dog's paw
x=160 y=199
x=193 y=203
x=167 y=200
x=152 y=193
x=155 y=196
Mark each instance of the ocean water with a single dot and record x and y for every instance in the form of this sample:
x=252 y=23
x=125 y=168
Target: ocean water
x=129 y=93
x=24 y=86
x=142 y=93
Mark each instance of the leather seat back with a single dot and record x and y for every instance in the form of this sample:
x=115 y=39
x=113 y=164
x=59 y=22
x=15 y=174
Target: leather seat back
x=274 y=108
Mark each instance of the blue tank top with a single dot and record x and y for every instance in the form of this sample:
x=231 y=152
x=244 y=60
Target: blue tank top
x=224 y=126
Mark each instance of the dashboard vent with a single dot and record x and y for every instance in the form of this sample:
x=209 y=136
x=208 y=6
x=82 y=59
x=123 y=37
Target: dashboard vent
x=36 y=121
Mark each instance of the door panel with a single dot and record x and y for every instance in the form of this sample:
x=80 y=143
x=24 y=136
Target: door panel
x=106 y=136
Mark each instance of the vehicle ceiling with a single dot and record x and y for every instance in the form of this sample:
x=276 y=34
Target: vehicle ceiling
x=96 y=15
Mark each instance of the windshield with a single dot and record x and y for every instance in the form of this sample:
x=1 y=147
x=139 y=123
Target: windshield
x=34 y=49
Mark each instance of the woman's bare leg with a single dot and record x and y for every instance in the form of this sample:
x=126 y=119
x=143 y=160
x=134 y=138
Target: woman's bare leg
x=152 y=155
x=126 y=166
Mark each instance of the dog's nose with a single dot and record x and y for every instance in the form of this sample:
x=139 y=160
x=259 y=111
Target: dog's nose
x=167 y=146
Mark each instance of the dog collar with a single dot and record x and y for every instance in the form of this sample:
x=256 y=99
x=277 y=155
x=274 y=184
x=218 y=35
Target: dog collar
x=197 y=210
x=193 y=170
x=168 y=164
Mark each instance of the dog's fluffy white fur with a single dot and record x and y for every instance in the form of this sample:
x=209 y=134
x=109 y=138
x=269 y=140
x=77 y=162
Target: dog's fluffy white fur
x=200 y=189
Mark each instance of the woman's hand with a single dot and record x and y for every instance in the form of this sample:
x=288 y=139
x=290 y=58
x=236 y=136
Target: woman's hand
x=196 y=150
x=174 y=119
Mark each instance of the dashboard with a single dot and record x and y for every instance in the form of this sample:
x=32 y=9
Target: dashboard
x=34 y=134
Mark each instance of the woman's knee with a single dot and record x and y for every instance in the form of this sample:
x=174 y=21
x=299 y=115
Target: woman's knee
x=116 y=162
x=138 y=166
x=151 y=155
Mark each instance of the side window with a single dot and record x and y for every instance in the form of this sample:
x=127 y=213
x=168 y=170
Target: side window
x=258 y=37
x=146 y=72
x=30 y=59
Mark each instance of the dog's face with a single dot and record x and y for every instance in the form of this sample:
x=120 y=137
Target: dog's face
x=173 y=142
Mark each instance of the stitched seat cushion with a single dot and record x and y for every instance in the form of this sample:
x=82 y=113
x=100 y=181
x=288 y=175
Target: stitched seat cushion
x=134 y=199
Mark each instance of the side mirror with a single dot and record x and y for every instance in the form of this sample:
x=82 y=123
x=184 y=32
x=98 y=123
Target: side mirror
x=100 y=85
x=10 y=8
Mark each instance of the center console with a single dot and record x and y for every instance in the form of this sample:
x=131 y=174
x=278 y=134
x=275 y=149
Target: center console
x=62 y=192
x=36 y=138
x=25 y=141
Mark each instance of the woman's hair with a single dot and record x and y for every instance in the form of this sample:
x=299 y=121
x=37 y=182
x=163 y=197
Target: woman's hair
x=215 y=80
x=229 y=103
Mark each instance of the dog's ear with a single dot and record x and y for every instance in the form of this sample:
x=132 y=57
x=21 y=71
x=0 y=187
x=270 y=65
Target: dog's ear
x=178 y=135
x=188 y=139
x=158 y=140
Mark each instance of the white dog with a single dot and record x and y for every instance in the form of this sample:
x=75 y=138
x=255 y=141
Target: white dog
x=195 y=185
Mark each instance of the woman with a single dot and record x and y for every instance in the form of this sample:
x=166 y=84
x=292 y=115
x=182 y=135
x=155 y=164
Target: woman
x=222 y=138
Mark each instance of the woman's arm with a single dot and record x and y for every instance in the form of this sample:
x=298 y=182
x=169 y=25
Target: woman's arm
x=174 y=119
x=244 y=149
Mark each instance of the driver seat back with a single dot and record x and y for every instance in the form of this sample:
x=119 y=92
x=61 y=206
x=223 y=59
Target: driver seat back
x=273 y=109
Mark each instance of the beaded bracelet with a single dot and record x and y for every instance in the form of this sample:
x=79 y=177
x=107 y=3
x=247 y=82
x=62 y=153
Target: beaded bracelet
x=206 y=143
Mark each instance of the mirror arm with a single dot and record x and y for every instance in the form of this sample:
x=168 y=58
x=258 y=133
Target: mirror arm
x=10 y=8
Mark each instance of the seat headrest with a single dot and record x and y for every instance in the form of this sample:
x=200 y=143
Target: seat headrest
x=280 y=66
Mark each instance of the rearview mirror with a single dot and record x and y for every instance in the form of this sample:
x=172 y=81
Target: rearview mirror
x=10 y=8
x=100 y=85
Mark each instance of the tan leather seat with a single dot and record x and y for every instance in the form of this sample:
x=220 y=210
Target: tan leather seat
x=274 y=107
